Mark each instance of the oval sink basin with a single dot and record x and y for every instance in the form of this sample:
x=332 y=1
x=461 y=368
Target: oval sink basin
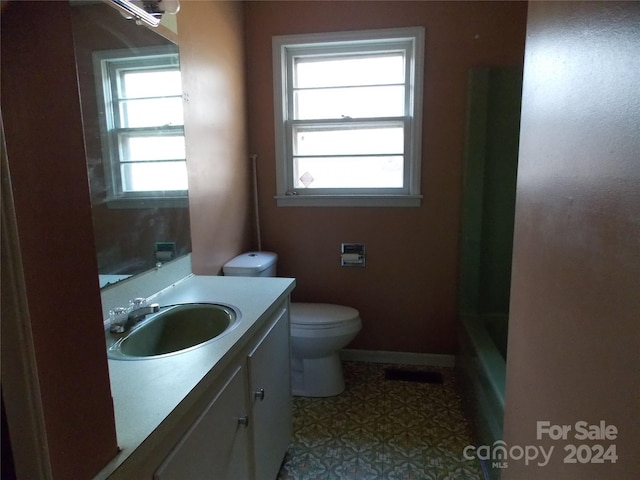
x=174 y=330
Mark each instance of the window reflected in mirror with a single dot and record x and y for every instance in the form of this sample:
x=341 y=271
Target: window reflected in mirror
x=131 y=96
x=144 y=152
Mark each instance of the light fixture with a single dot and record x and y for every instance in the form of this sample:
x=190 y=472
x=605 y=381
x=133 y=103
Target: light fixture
x=147 y=11
x=170 y=6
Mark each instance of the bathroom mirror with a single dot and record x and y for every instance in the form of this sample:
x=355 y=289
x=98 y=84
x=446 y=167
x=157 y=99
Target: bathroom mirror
x=131 y=99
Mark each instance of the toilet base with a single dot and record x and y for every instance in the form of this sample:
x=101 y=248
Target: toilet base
x=317 y=377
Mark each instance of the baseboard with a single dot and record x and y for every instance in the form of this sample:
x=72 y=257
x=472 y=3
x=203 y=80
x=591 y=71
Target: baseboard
x=398 y=358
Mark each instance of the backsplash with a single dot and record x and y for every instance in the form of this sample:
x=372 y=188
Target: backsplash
x=145 y=284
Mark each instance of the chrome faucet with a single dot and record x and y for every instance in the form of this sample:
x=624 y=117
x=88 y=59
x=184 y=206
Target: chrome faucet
x=134 y=316
x=139 y=313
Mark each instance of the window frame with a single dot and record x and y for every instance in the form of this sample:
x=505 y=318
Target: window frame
x=106 y=64
x=285 y=50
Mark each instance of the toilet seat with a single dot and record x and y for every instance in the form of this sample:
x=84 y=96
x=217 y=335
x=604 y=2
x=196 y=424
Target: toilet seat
x=322 y=315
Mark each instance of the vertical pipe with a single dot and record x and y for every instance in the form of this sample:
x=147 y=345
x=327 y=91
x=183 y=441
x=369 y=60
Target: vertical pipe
x=256 y=209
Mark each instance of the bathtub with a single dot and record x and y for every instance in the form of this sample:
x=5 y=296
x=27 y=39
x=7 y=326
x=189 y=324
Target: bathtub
x=481 y=368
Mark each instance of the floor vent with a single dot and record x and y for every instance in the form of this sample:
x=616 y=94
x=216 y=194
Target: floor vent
x=412 y=375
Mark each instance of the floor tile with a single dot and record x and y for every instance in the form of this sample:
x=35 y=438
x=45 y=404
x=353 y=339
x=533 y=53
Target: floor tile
x=381 y=429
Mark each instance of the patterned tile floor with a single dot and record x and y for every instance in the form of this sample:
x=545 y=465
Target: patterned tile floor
x=381 y=430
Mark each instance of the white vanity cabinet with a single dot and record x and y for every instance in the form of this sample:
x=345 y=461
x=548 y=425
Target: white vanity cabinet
x=245 y=429
x=270 y=397
x=216 y=445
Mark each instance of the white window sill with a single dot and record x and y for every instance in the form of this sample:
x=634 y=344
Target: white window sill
x=348 y=200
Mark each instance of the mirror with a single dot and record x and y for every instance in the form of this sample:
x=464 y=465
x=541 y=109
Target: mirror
x=136 y=166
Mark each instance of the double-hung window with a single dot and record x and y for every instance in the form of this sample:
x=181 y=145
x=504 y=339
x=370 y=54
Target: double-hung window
x=348 y=118
x=142 y=126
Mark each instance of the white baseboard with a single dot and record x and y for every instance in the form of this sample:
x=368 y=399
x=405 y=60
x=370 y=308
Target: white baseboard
x=399 y=358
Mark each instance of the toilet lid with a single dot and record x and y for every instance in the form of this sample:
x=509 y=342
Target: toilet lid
x=321 y=314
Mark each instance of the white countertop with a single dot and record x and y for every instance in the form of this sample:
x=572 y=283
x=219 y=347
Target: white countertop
x=146 y=392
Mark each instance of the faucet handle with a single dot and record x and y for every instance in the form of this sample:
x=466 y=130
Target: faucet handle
x=136 y=303
x=118 y=319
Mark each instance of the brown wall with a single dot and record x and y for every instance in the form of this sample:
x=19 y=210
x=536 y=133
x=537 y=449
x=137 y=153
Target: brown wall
x=409 y=283
x=43 y=128
x=574 y=335
x=42 y=122
x=212 y=62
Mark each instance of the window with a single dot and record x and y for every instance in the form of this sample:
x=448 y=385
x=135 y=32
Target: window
x=143 y=126
x=348 y=118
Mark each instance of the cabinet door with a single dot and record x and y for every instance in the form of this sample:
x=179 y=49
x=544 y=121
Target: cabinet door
x=270 y=387
x=216 y=446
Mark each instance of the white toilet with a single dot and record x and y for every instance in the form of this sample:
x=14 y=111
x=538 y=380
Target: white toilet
x=318 y=332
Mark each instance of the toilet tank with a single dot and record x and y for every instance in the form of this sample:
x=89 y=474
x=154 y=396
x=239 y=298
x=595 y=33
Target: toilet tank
x=251 y=264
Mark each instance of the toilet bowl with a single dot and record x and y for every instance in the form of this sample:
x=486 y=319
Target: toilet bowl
x=318 y=332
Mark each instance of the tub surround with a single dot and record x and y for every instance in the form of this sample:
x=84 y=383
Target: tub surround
x=155 y=400
x=489 y=188
x=481 y=366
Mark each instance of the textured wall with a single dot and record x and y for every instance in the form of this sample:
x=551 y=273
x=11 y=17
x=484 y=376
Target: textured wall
x=212 y=63
x=43 y=128
x=573 y=334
